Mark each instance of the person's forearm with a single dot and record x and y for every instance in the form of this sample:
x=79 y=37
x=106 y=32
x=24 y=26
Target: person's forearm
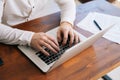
x=12 y=36
x=68 y=10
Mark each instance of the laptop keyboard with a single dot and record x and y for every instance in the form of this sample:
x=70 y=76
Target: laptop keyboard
x=53 y=56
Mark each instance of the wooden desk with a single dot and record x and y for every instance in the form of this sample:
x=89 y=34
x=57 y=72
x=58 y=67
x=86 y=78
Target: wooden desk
x=91 y=64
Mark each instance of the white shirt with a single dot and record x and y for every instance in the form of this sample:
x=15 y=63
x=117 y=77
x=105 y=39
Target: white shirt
x=18 y=11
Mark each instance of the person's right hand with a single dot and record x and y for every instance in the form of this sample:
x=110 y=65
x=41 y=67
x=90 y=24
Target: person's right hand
x=41 y=39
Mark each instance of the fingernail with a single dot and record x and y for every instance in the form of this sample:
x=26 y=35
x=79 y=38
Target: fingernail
x=58 y=44
x=56 y=52
x=63 y=43
x=70 y=45
x=59 y=40
x=47 y=54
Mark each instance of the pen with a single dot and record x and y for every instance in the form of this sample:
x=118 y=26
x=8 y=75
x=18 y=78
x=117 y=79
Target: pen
x=97 y=25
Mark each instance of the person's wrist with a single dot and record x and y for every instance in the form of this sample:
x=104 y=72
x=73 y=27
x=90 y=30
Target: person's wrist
x=66 y=23
x=33 y=38
x=28 y=37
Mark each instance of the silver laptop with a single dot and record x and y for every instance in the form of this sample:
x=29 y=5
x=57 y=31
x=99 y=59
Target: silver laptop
x=46 y=63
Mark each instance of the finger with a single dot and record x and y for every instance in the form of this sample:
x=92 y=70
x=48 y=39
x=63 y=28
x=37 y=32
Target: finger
x=65 y=38
x=48 y=46
x=53 y=40
x=42 y=50
x=71 y=38
x=77 y=38
x=52 y=44
x=59 y=36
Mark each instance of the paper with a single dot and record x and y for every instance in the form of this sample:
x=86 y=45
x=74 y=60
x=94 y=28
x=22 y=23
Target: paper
x=104 y=21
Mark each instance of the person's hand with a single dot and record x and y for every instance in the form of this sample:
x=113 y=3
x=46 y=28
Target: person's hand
x=65 y=30
x=41 y=39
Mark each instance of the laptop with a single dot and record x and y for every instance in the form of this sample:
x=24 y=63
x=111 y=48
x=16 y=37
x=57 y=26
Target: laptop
x=48 y=63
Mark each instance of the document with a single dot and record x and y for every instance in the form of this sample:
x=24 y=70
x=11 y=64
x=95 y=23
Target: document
x=104 y=21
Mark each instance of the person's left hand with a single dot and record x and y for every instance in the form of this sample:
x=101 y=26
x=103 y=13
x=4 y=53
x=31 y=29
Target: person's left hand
x=65 y=30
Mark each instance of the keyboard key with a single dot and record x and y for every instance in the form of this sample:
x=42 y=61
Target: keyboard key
x=53 y=56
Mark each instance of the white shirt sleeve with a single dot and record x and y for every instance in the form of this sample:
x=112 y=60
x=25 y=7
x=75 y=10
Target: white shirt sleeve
x=68 y=10
x=10 y=35
x=1 y=8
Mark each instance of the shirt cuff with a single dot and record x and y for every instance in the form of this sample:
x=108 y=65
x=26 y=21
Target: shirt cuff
x=66 y=19
x=26 y=38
